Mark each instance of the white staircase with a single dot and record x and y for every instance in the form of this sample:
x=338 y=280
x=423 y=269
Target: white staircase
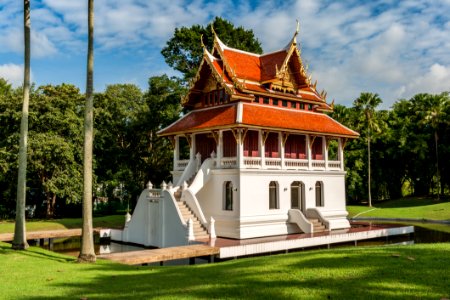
x=317 y=225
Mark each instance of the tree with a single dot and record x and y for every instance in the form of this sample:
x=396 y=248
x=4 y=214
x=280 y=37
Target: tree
x=87 y=253
x=56 y=143
x=434 y=114
x=184 y=51
x=365 y=105
x=20 y=240
x=117 y=111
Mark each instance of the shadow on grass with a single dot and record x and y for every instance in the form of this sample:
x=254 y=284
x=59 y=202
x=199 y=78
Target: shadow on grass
x=409 y=202
x=419 y=272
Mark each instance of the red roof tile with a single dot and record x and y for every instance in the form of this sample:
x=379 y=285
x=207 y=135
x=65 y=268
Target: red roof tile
x=289 y=119
x=256 y=115
x=203 y=119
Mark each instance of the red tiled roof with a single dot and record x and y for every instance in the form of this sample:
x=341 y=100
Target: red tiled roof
x=256 y=115
x=246 y=66
x=298 y=120
x=203 y=119
x=270 y=62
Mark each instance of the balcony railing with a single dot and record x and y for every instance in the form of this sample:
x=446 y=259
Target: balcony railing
x=271 y=163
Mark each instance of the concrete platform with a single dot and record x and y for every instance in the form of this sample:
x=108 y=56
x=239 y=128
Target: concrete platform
x=229 y=248
x=358 y=232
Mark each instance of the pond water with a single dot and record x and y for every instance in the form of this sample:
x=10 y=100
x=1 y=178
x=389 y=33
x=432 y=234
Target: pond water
x=424 y=233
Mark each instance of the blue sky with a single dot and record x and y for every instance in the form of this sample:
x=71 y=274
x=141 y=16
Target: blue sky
x=393 y=48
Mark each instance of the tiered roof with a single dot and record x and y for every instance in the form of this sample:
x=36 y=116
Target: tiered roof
x=244 y=76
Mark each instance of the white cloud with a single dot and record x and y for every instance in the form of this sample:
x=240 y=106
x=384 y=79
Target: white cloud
x=435 y=80
x=12 y=73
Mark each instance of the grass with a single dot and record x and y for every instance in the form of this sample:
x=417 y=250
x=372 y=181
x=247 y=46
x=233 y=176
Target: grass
x=114 y=221
x=394 y=272
x=411 y=208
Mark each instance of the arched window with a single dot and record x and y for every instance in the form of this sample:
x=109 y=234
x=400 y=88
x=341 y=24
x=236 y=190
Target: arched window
x=319 y=194
x=228 y=196
x=298 y=195
x=273 y=195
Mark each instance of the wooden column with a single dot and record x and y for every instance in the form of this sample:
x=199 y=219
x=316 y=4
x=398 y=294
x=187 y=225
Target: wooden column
x=325 y=151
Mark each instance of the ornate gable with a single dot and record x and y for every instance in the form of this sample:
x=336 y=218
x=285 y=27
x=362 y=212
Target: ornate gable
x=245 y=76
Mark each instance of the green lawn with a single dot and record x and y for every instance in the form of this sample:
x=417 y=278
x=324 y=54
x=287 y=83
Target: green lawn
x=114 y=221
x=415 y=208
x=394 y=272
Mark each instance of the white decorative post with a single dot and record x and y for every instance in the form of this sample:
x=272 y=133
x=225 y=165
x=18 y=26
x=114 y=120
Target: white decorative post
x=163 y=185
x=184 y=186
x=198 y=159
x=149 y=185
x=212 y=229
x=190 y=230
x=170 y=185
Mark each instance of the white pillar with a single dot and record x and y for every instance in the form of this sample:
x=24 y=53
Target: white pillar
x=240 y=152
x=192 y=148
x=308 y=151
x=176 y=151
x=212 y=228
x=325 y=151
x=262 y=149
x=219 y=150
x=341 y=153
x=190 y=230
x=281 y=148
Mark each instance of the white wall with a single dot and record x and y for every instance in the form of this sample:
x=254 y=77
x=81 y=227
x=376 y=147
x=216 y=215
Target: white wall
x=251 y=216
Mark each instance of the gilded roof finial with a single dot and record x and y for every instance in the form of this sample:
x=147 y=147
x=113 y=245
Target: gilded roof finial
x=212 y=29
x=298 y=27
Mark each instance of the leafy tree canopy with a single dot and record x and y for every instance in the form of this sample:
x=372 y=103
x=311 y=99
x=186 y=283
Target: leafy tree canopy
x=184 y=52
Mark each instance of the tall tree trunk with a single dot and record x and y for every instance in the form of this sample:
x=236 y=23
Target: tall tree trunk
x=87 y=253
x=20 y=240
x=369 y=169
x=437 y=165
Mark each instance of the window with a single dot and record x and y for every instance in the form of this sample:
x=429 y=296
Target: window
x=228 y=199
x=273 y=195
x=310 y=106
x=297 y=195
x=266 y=100
x=284 y=103
x=275 y=102
x=319 y=194
x=302 y=105
x=293 y=104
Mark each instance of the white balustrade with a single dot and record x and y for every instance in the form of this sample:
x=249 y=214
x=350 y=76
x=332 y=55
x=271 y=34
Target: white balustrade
x=252 y=162
x=181 y=164
x=273 y=163
x=228 y=162
x=334 y=165
x=318 y=164
x=296 y=164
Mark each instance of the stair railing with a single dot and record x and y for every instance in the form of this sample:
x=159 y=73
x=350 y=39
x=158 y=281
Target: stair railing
x=297 y=217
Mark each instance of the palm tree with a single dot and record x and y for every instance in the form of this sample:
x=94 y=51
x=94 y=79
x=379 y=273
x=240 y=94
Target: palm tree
x=434 y=114
x=20 y=240
x=365 y=105
x=87 y=253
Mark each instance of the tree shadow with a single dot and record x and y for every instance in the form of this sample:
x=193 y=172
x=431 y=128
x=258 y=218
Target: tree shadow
x=390 y=273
